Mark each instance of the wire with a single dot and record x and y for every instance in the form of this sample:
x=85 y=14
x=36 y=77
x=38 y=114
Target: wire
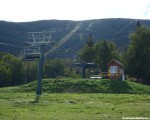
x=11 y=39
x=12 y=45
x=13 y=30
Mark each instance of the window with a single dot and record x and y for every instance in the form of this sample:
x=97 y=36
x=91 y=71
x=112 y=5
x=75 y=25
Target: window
x=113 y=69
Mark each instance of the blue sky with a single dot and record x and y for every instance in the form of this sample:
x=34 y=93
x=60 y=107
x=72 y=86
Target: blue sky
x=31 y=10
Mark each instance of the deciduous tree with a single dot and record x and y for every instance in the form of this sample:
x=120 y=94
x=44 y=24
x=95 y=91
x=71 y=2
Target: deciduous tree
x=104 y=52
x=87 y=53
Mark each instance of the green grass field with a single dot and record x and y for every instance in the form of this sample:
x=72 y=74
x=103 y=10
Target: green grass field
x=22 y=106
x=18 y=103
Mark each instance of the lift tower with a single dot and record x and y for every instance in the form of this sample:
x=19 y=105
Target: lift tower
x=34 y=49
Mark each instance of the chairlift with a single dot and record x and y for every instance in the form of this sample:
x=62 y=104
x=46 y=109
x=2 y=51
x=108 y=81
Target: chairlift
x=39 y=38
x=28 y=59
x=31 y=52
x=34 y=49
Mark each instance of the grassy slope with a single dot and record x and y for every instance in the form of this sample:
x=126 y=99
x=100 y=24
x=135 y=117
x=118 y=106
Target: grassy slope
x=86 y=86
x=18 y=105
x=63 y=85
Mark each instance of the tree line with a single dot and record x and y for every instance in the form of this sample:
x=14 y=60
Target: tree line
x=12 y=70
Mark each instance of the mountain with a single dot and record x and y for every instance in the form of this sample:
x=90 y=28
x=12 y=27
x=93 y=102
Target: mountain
x=69 y=36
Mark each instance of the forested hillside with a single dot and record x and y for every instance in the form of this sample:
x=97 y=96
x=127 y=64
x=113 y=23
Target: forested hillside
x=69 y=36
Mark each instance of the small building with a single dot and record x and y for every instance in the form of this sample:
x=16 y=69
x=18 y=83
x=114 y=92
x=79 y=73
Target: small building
x=115 y=70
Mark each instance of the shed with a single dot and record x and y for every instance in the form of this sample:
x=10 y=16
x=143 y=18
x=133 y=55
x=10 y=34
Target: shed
x=115 y=70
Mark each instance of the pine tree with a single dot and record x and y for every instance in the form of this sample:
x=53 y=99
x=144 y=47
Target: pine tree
x=87 y=52
x=138 y=56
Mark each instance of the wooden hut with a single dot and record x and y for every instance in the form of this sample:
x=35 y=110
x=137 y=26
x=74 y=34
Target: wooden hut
x=115 y=70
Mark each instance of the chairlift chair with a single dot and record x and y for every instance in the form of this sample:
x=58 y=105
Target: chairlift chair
x=32 y=52
x=28 y=59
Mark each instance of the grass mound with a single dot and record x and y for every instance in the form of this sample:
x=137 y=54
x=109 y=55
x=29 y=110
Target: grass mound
x=64 y=85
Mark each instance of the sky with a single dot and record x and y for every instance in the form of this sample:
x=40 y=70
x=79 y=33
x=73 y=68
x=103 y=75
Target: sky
x=32 y=10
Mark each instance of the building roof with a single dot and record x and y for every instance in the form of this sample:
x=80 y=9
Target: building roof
x=116 y=61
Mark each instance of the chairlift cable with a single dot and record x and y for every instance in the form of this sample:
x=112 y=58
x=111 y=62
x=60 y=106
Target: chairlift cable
x=10 y=38
x=13 y=30
x=12 y=45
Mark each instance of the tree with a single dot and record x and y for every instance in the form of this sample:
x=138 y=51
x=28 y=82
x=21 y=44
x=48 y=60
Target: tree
x=104 y=52
x=138 y=55
x=31 y=71
x=54 y=68
x=87 y=52
x=5 y=75
x=59 y=67
x=71 y=72
x=11 y=70
x=15 y=65
x=90 y=41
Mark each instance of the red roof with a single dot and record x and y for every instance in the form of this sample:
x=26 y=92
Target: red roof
x=116 y=61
